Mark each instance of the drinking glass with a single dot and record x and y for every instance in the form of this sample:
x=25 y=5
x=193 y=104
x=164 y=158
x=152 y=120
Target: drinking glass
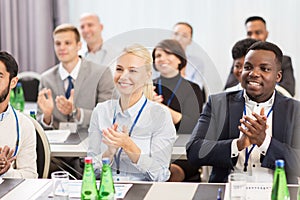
x=60 y=181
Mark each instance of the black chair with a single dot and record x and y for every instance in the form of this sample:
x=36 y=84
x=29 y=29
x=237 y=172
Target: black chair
x=42 y=150
x=30 y=83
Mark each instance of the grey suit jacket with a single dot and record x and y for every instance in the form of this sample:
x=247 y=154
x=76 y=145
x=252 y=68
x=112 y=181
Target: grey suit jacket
x=210 y=143
x=94 y=84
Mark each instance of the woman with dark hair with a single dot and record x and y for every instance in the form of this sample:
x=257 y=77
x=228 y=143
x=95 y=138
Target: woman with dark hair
x=182 y=97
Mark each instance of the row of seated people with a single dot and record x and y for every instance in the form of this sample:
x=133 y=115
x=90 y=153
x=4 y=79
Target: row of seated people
x=64 y=98
x=70 y=91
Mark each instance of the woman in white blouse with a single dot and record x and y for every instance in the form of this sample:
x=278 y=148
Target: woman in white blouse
x=136 y=133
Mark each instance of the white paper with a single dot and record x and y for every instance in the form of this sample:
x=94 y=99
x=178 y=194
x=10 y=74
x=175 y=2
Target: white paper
x=57 y=136
x=72 y=126
x=1 y=180
x=254 y=191
x=75 y=189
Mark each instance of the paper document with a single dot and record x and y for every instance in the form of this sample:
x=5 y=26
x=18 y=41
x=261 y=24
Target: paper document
x=254 y=191
x=1 y=180
x=57 y=136
x=75 y=189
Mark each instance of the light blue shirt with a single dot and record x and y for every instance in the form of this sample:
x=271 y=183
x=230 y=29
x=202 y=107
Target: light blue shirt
x=194 y=70
x=105 y=56
x=154 y=134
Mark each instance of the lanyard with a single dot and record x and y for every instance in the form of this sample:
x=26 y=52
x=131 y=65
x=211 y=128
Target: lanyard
x=173 y=92
x=247 y=154
x=18 y=131
x=117 y=158
x=17 y=127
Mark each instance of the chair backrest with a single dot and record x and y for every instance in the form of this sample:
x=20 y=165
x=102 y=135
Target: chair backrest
x=42 y=150
x=30 y=83
x=283 y=91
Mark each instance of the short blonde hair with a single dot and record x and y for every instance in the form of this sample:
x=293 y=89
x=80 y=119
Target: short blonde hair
x=142 y=52
x=66 y=28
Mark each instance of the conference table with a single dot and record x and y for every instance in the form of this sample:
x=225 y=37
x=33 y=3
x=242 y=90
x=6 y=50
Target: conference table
x=80 y=149
x=42 y=188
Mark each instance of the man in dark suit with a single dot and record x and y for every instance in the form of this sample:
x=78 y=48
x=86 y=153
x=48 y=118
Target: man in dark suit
x=256 y=29
x=247 y=130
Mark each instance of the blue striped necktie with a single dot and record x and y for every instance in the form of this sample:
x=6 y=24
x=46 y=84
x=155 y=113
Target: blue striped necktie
x=70 y=87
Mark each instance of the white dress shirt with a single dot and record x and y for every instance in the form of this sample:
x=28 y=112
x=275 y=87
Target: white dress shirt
x=254 y=170
x=63 y=73
x=154 y=134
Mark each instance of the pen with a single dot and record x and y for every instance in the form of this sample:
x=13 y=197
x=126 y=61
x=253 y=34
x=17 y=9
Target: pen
x=219 y=194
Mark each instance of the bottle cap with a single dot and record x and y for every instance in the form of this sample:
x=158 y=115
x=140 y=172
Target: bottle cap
x=279 y=163
x=19 y=84
x=88 y=160
x=105 y=161
x=32 y=112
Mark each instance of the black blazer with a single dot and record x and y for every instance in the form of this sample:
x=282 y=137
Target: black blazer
x=210 y=143
x=287 y=81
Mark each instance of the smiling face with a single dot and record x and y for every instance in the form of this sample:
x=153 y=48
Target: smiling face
x=260 y=74
x=91 y=29
x=131 y=75
x=5 y=84
x=166 y=63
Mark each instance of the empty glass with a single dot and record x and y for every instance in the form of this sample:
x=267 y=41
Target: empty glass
x=60 y=182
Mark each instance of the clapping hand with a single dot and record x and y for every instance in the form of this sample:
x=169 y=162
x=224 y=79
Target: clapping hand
x=116 y=139
x=254 y=129
x=45 y=102
x=64 y=105
x=157 y=98
x=6 y=159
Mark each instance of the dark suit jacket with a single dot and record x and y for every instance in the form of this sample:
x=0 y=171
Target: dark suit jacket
x=94 y=84
x=210 y=143
x=287 y=81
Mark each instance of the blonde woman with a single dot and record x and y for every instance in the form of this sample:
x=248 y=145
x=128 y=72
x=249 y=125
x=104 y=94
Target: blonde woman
x=135 y=133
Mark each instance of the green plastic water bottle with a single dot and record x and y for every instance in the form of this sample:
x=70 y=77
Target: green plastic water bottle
x=89 y=187
x=280 y=190
x=19 y=98
x=107 y=188
x=12 y=98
